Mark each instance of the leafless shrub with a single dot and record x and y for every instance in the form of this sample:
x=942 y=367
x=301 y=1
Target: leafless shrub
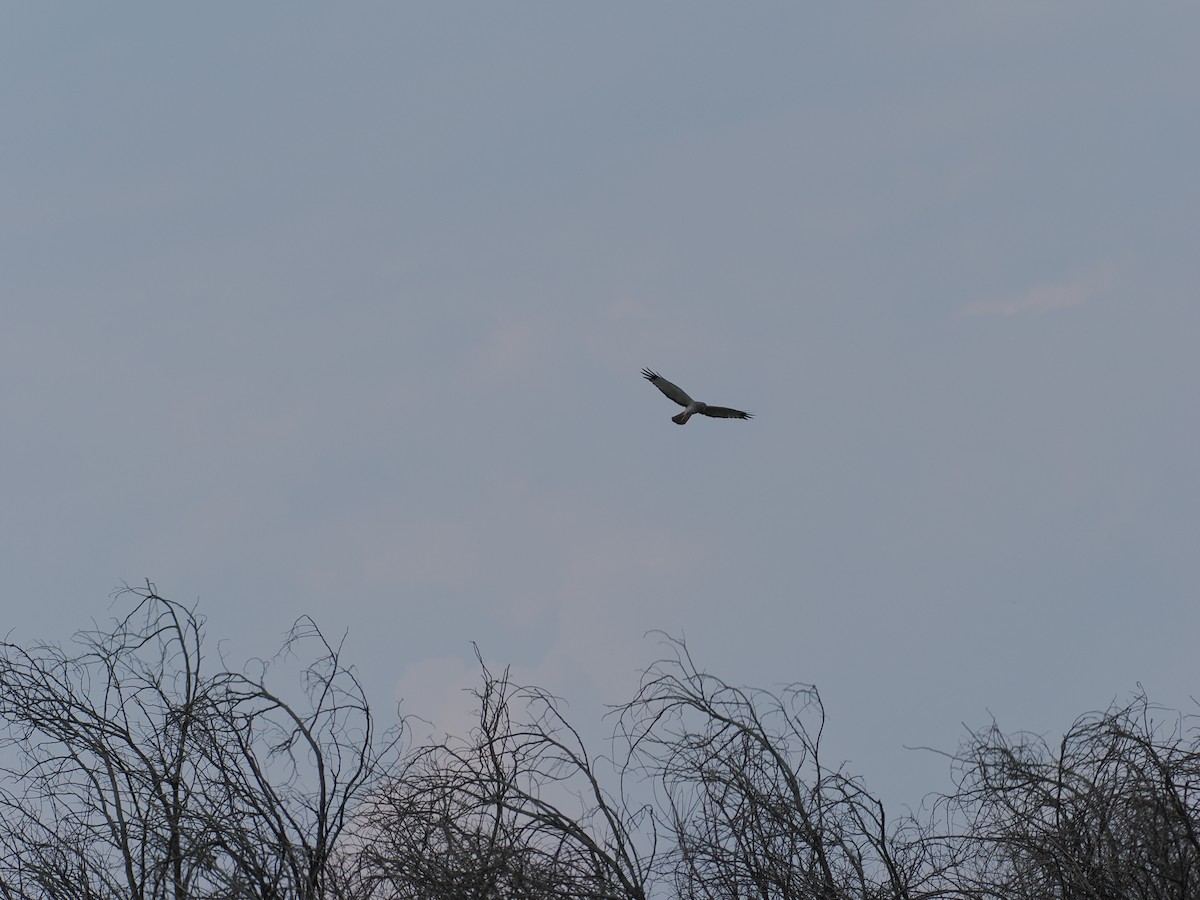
x=1110 y=810
x=128 y=770
x=751 y=806
x=516 y=809
x=135 y=774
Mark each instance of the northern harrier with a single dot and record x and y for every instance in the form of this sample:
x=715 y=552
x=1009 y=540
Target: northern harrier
x=691 y=406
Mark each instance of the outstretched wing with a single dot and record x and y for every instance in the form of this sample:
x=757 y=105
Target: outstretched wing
x=724 y=412
x=674 y=392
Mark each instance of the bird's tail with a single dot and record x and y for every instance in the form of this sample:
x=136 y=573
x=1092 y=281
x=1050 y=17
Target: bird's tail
x=682 y=418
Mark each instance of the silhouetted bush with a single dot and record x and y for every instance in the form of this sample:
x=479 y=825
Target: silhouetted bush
x=131 y=771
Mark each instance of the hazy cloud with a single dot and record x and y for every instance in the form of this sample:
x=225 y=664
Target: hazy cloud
x=512 y=348
x=1070 y=291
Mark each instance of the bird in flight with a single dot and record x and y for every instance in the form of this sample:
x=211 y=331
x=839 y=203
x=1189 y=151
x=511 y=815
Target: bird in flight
x=690 y=406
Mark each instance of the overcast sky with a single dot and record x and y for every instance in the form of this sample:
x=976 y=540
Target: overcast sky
x=340 y=310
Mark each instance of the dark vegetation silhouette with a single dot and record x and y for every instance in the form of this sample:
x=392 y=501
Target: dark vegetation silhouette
x=134 y=765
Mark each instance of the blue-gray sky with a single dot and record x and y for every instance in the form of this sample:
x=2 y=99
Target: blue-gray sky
x=339 y=310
